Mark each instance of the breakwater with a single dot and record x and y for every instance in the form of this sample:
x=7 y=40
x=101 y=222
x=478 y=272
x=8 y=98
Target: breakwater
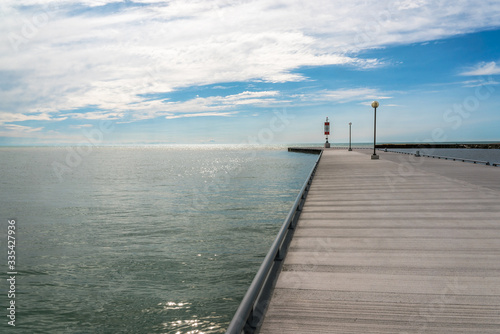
x=310 y=150
x=434 y=145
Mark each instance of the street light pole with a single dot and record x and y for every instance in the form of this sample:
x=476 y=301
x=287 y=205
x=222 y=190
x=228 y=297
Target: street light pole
x=350 y=123
x=374 y=106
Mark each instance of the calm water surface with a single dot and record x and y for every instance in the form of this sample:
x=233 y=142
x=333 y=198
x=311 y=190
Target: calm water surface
x=145 y=239
x=141 y=239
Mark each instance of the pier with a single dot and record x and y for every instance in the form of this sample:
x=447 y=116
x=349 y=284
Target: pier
x=403 y=244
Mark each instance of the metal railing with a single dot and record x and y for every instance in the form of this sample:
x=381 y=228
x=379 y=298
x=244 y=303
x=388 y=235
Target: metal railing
x=487 y=163
x=252 y=308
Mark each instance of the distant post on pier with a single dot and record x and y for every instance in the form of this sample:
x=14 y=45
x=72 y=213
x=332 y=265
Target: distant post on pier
x=350 y=149
x=374 y=106
x=327 y=132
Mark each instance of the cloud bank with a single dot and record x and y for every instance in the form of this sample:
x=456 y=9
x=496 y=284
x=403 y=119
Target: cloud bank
x=59 y=57
x=483 y=68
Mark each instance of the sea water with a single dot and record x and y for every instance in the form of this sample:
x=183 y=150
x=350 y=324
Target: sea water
x=161 y=239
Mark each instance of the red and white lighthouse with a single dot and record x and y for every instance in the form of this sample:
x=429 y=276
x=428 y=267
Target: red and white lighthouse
x=327 y=132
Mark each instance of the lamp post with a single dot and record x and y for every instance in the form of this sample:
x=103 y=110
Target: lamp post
x=374 y=106
x=350 y=149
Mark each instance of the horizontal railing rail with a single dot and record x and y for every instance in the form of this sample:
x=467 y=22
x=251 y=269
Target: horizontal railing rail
x=252 y=308
x=487 y=163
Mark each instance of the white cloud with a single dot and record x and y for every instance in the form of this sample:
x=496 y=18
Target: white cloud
x=205 y=114
x=343 y=95
x=483 y=68
x=21 y=128
x=6 y=117
x=212 y=106
x=68 y=59
x=81 y=126
x=410 y=4
x=479 y=83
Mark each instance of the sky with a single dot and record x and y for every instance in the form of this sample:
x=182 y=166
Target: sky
x=248 y=71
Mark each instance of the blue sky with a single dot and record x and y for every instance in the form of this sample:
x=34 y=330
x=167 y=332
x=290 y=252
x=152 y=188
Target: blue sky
x=260 y=71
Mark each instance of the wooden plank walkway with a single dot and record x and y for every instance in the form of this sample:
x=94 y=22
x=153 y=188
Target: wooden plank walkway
x=393 y=246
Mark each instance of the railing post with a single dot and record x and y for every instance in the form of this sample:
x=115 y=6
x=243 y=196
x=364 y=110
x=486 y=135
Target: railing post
x=250 y=324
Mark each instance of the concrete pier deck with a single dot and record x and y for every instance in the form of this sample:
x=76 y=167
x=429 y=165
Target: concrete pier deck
x=396 y=245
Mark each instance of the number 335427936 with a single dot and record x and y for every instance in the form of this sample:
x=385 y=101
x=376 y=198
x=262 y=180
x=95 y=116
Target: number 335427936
x=11 y=244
